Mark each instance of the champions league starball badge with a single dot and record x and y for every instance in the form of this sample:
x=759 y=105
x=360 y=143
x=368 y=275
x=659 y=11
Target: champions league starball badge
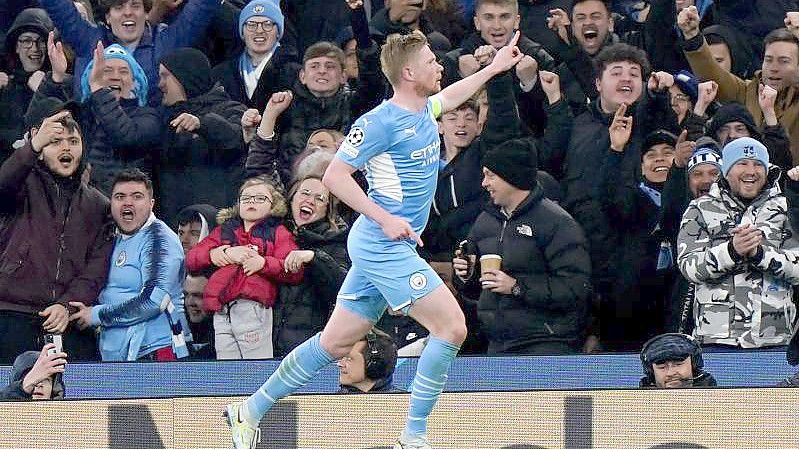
x=356 y=136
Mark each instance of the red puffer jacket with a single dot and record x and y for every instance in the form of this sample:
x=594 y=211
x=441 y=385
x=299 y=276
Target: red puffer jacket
x=272 y=241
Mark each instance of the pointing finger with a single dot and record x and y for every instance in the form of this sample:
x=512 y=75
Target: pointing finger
x=515 y=39
x=416 y=238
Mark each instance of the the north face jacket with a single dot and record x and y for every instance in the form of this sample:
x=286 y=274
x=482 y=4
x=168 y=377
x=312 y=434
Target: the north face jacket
x=740 y=302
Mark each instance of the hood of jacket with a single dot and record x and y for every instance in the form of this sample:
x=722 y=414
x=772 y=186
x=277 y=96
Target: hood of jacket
x=31 y=19
x=318 y=233
x=740 y=52
x=23 y=364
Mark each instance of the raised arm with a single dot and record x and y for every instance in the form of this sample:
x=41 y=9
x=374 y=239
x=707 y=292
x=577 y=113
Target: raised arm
x=455 y=94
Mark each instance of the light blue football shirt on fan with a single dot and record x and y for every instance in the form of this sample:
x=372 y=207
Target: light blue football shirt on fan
x=400 y=151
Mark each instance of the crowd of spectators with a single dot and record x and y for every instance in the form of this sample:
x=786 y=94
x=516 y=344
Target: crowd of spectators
x=161 y=188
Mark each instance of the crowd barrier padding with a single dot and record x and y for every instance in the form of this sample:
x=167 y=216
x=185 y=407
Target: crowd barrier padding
x=153 y=380
x=720 y=418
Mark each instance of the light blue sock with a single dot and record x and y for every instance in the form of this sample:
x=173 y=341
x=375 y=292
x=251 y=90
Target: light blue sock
x=296 y=370
x=431 y=375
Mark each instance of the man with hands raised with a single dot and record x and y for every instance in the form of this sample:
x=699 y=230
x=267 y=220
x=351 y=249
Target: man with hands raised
x=622 y=77
x=203 y=138
x=779 y=71
x=737 y=245
x=64 y=257
x=120 y=129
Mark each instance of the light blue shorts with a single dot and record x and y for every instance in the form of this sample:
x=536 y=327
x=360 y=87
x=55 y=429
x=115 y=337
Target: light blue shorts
x=393 y=276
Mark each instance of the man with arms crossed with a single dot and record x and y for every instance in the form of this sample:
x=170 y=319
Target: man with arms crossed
x=399 y=145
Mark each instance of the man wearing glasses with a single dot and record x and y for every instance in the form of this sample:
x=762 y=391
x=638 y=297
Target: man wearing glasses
x=264 y=67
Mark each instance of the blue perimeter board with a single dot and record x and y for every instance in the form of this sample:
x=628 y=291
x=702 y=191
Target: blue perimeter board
x=469 y=373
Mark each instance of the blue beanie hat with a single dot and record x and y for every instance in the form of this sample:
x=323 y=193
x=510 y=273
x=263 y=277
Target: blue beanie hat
x=688 y=83
x=263 y=8
x=116 y=51
x=743 y=148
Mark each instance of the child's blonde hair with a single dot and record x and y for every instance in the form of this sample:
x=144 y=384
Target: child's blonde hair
x=279 y=207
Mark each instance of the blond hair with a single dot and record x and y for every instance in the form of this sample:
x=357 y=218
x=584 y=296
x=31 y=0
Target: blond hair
x=397 y=53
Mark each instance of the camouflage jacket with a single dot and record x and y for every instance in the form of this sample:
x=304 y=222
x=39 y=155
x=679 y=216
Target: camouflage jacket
x=740 y=302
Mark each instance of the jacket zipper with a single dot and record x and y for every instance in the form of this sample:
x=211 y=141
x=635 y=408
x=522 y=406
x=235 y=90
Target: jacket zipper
x=61 y=245
x=452 y=191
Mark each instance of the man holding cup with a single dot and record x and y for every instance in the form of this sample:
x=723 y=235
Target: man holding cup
x=533 y=278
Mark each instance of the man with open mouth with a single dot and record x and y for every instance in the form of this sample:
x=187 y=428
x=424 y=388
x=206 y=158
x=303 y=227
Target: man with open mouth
x=622 y=81
x=140 y=312
x=736 y=247
x=120 y=128
x=64 y=258
x=779 y=71
x=643 y=266
x=127 y=26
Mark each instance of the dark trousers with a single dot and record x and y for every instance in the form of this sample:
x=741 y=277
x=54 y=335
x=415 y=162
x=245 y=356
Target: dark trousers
x=20 y=332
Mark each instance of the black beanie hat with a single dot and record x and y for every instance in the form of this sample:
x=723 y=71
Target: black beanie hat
x=191 y=67
x=657 y=137
x=516 y=162
x=731 y=112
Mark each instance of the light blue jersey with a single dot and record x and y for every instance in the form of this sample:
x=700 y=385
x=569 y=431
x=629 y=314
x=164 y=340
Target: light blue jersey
x=401 y=151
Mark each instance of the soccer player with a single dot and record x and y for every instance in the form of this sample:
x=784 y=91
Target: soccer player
x=398 y=144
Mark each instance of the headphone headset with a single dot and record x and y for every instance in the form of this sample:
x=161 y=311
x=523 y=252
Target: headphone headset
x=695 y=351
x=376 y=366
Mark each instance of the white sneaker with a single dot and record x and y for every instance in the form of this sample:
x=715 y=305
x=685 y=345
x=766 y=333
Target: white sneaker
x=412 y=442
x=244 y=435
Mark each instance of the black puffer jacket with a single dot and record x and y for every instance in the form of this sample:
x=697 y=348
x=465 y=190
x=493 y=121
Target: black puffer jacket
x=302 y=310
x=279 y=74
x=206 y=166
x=545 y=250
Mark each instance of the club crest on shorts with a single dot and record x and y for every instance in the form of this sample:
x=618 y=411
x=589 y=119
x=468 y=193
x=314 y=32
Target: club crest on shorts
x=418 y=281
x=121 y=259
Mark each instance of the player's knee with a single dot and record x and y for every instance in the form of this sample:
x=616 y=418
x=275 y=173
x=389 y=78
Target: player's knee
x=335 y=349
x=459 y=332
x=454 y=332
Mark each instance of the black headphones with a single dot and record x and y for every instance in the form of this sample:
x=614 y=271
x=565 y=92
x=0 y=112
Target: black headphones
x=692 y=346
x=378 y=364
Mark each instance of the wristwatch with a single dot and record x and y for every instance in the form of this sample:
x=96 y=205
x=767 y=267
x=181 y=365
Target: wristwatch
x=516 y=290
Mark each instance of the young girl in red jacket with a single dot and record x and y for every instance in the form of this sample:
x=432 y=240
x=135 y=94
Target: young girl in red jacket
x=248 y=248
